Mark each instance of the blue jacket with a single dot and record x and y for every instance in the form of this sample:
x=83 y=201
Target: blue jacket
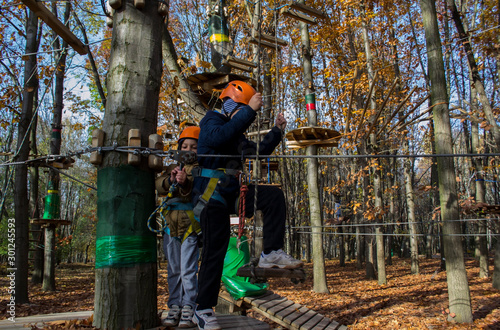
x=220 y=135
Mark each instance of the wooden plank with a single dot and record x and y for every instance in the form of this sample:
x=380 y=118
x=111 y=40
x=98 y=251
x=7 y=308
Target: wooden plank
x=296 y=314
x=55 y=24
x=307 y=10
x=272 y=303
x=240 y=61
x=240 y=322
x=250 y=299
x=288 y=311
x=302 y=319
x=264 y=43
x=314 y=323
x=259 y=272
x=259 y=301
x=298 y=16
x=237 y=66
x=325 y=322
x=271 y=39
x=332 y=325
x=278 y=308
x=272 y=318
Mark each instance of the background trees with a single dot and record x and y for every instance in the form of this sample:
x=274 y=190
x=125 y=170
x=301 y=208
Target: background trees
x=400 y=122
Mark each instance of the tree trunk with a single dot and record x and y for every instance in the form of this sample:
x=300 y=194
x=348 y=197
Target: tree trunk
x=36 y=231
x=458 y=288
x=377 y=180
x=480 y=195
x=474 y=70
x=52 y=200
x=319 y=272
x=21 y=177
x=186 y=93
x=126 y=271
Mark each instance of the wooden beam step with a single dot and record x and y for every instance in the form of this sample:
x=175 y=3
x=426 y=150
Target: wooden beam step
x=307 y=10
x=288 y=12
x=272 y=39
x=264 y=43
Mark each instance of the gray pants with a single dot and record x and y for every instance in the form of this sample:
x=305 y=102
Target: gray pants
x=182 y=270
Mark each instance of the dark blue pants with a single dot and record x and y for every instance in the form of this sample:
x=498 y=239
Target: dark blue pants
x=215 y=229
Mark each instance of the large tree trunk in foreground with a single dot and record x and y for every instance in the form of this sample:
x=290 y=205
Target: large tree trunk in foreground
x=458 y=287
x=126 y=275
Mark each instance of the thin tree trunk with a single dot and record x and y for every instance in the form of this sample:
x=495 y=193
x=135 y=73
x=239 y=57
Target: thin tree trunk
x=319 y=285
x=474 y=70
x=377 y=180
x=480 y=195
x=52 y=207
x=36 y=230
x=458 y=287
x=21 y=177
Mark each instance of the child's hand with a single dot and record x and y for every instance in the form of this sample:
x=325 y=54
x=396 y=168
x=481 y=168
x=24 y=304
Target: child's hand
x=280 y=121
x=256 y=102
x=181 y=176
x=173 y=174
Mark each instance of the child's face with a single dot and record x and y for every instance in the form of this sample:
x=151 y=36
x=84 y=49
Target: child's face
x=190 y=145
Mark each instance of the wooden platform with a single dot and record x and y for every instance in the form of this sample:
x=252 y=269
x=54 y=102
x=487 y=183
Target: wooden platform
x=284 y=312
x=259 y=274
x=312 y=135
x=64 y=321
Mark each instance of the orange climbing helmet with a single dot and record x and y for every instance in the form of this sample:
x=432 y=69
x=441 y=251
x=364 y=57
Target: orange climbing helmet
x=190 y=132
x=239 y=91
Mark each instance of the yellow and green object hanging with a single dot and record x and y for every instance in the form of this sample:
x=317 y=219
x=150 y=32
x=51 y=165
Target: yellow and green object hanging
x=52 y=203
x=217 y=29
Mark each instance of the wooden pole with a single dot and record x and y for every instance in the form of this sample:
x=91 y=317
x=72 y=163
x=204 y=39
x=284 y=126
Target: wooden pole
x=55 y=24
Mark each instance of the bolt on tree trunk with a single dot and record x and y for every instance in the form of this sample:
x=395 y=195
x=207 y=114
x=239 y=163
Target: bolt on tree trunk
x=126 y=275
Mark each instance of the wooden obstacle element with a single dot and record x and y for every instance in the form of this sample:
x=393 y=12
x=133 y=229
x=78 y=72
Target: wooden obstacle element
x=239 y=64
x=258 y=274
x=209 y=85
x=312 y=135
x=283 y=311
x=55 y=24
x=46 y=222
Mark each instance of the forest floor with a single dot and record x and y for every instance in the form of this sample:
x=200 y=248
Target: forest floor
x=406 y=302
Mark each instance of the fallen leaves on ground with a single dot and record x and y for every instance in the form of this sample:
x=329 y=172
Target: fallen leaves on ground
x=405 y=302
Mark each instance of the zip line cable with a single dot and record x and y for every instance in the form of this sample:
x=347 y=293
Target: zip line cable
x=145 y=151
x=369 y=224
x=394 y=234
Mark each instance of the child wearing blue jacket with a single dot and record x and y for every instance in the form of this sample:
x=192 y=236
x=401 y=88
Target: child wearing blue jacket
x=215 y=192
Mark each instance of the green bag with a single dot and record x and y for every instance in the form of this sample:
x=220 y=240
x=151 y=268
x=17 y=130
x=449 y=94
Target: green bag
x=237 y=286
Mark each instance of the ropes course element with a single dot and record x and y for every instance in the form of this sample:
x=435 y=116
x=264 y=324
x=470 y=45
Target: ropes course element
x=145 y=151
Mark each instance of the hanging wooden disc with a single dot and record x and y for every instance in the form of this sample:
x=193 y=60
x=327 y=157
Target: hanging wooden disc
x=312 y=135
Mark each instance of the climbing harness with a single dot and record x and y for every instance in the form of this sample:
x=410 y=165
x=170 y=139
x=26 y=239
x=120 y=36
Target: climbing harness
x=174 y=204
x=211 y=189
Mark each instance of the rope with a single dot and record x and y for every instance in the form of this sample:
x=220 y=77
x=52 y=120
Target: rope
x=241 y=211
x=162 y=207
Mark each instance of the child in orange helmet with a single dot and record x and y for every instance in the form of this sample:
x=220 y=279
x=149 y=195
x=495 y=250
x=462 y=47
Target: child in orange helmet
x=180 y=240
x=222 y=134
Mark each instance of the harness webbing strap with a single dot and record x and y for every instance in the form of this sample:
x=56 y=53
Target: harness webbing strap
x=210 y=190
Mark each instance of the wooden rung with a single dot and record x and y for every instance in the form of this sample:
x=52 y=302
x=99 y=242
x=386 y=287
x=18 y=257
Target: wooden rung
x=232 y=59
x=264 y=43
x=272 y=39
x=237 y=66
x=262 y=132
x=307 y=10
x=298 y=16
